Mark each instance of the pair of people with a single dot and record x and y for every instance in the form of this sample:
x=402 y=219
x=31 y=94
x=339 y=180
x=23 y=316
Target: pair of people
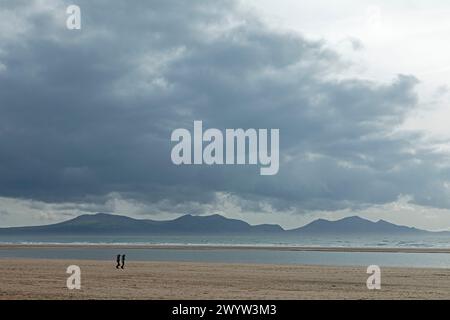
x=119 y=259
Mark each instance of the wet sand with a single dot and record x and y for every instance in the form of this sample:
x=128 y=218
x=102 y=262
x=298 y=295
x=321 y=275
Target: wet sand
x=46 y=279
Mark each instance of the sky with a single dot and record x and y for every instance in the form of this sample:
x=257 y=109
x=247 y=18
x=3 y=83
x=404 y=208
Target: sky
x=358 y=91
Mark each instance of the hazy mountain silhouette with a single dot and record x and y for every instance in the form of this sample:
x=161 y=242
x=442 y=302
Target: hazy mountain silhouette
x=102 y=223
x=355 y=225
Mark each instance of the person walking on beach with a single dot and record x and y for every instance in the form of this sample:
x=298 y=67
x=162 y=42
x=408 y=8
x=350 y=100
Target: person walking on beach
x=123 y=261
x=118 y=261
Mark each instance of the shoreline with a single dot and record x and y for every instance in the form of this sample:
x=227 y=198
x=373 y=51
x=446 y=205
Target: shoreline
x=225 y=247
x=46 y=279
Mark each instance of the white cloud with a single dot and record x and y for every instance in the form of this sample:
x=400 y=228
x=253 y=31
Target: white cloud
x=408 y=37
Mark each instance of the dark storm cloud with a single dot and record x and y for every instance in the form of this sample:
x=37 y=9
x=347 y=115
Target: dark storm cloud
x=90 y=112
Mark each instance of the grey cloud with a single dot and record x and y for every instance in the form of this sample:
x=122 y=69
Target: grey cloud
x=87 y=113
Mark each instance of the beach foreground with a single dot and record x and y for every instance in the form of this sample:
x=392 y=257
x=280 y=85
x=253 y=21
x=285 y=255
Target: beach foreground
x=46 y=279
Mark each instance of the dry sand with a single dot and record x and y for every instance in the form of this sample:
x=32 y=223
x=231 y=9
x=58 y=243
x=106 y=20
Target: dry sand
x=46 y=279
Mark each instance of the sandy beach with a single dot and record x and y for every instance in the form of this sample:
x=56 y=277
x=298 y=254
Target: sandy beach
x=46 y=279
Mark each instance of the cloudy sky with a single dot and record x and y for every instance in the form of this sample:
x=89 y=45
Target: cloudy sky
x=359 y=92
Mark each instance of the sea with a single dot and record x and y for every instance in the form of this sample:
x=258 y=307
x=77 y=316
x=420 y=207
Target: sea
x=263 y=249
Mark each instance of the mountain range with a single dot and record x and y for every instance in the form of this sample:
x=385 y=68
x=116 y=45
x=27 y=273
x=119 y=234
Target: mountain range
x=102 y=223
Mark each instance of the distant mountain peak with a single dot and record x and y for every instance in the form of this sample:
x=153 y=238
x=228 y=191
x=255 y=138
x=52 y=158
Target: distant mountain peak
x=106 y=223
x=354 y=225
x=354 y=219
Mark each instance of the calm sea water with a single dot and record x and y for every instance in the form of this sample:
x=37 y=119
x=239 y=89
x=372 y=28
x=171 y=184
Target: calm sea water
x=428 y=241
x=268 y=256
x=435 y=260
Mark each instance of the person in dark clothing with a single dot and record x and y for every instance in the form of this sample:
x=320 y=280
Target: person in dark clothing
x=118 y=261
x=123 y=261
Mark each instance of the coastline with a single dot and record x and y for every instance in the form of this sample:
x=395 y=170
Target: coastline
x=226 y=247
